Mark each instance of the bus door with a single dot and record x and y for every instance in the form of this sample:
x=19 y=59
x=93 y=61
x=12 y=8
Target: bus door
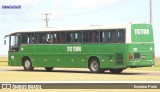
x=14 y=46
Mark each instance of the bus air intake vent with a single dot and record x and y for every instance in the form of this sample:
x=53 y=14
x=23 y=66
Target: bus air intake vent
x=119 y=59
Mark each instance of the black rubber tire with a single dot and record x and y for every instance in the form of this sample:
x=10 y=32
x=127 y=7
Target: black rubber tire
x=27 y=65
x=49 y=68
x=102 y=70
x=94 y=65
x=116 y=71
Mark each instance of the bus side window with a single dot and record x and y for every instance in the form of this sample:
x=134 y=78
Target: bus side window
x=24 y=37
x=39 y=37
x=105 y=36
x=77 y=37
x=112 y=36
x=69 y=37
x=31 y=39
x=120 y=36
x=62 y=37
x=86 y=36
x=95 y=36
x=46 y=38
x=56 y=37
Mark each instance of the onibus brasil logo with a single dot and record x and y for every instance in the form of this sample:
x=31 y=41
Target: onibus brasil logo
x=21 y=86
x=11 y=6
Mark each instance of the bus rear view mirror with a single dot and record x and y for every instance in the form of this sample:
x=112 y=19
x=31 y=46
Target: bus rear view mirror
x=4 y=42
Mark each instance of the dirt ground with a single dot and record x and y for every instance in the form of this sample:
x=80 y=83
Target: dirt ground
x=74 y=74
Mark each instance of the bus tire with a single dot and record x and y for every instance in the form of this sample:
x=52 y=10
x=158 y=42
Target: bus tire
x=49 y=68
x=94 y=65
x=27 y=65
x=102 y=70
x=116 y=71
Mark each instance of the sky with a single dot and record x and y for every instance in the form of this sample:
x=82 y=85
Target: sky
x=76 y=13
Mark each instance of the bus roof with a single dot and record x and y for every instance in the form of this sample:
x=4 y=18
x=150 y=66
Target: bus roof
x=92 y=27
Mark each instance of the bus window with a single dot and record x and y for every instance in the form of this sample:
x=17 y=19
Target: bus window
x=55 y=37
x=112 y=36
x=69 y=37
x=107 y=36
x=62 y=37
x=104 y=36
x=27 y=38
x=94 y=36
x=30 y=39
x=77 y=37
x=120 y=36
x=43 y=38
x=46 y=38
x=90 y=36
x=39 y=38
x=73 y=37
x=24 y=37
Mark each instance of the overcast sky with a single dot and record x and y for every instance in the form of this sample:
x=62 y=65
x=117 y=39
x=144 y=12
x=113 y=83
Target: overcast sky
x=71 y=13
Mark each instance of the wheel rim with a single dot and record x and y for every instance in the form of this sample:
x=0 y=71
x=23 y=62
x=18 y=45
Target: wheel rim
x=27 y=64
x=94 y=65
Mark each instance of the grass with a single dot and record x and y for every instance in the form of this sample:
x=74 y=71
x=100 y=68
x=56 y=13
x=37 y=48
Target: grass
x=153 y=68
x=56 y=76
x=3 y=64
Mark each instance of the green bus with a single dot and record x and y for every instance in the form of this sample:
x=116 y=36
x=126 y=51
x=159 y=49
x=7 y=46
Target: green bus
x=98 y=48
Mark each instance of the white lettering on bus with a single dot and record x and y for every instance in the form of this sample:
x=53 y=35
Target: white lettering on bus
x=141 y=31
x=73 y=48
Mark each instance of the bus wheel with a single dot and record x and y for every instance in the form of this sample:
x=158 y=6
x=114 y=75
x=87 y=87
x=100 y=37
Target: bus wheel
x=116 y=71
x=27 y=65
x=94 y=65
x=102 y=70
x=49 y=68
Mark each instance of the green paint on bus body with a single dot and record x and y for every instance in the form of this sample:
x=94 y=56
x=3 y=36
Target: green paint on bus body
x=138 y=53
x=142 y=33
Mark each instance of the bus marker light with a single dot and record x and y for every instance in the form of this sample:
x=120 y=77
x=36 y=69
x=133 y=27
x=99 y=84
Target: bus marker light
x=112 y=60
x=135 y=49
x=12 y=57
x=130 y=56
x=21 y=49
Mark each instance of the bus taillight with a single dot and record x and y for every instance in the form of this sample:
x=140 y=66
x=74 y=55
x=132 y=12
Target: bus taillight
x=130 y=56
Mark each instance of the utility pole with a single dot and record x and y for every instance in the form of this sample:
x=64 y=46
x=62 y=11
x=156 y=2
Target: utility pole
x=47 y=19
x=151 y=11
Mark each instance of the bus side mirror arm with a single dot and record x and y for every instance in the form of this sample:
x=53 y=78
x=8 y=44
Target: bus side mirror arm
x=5 y=39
